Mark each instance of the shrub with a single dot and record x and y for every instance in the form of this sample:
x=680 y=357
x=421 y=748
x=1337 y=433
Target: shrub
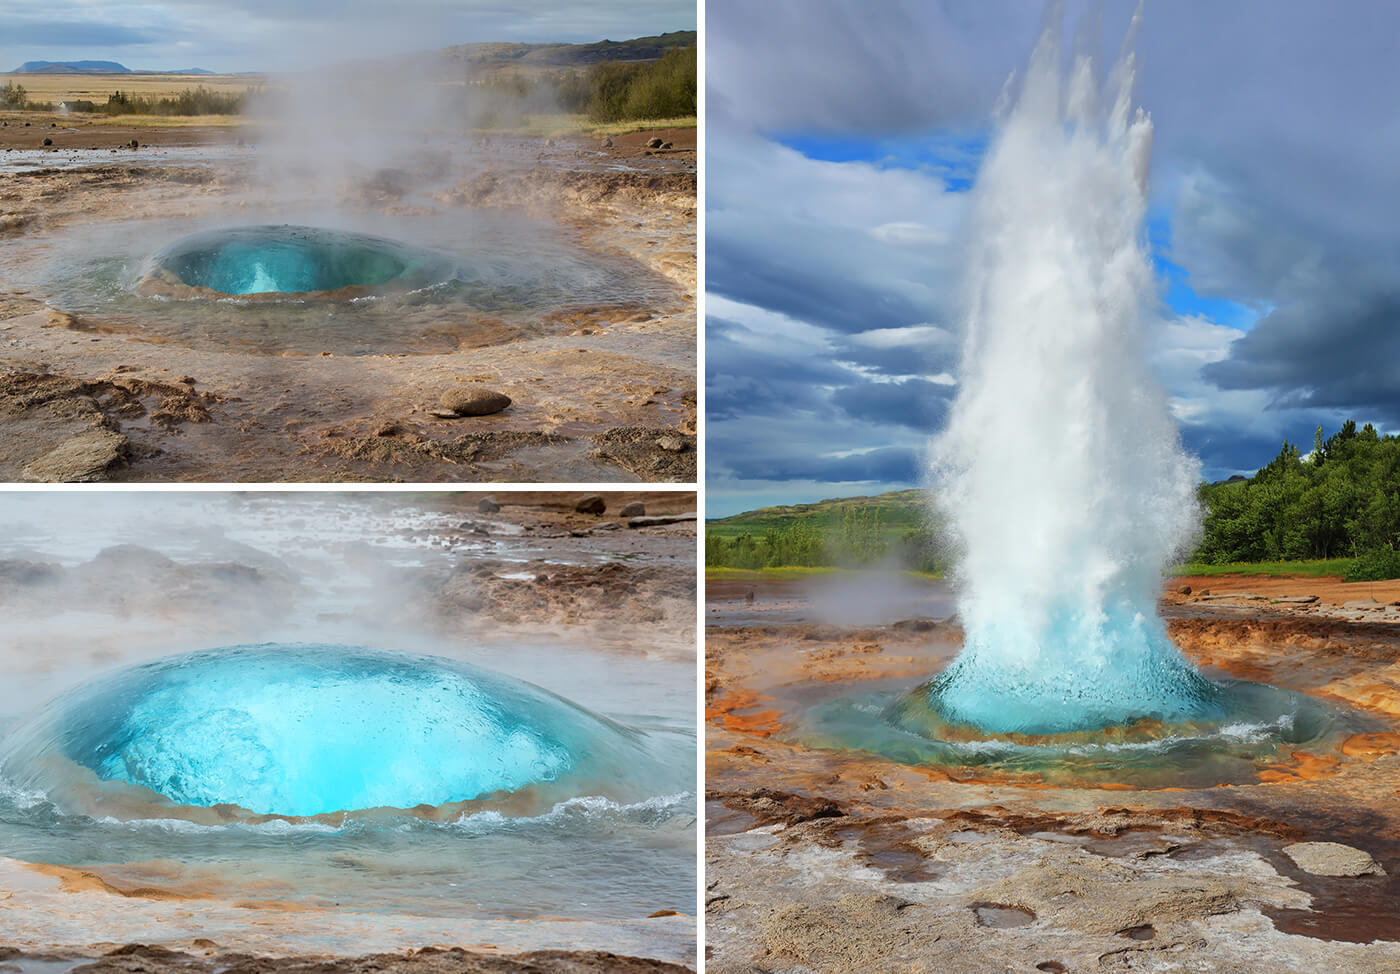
x=1375 y=565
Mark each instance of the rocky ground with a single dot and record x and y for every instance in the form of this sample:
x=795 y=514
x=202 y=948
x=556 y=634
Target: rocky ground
x=597 y=393
x=836 y=861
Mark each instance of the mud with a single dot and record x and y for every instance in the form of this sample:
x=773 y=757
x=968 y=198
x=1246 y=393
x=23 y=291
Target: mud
x=843 y=861
x=593 y=387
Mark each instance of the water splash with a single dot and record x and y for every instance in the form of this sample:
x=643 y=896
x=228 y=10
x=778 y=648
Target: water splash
x=1062 y=475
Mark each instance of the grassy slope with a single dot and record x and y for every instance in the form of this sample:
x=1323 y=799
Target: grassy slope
x=1321 y=568
x=900 y=511
x=570 y=55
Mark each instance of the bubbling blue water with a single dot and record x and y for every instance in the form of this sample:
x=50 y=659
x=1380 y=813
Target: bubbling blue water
x=308 y=729
x=243 y=261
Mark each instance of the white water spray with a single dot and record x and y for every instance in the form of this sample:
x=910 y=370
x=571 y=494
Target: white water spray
x=1061 y=473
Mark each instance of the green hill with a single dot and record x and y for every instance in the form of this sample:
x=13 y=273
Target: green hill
x=897 y=528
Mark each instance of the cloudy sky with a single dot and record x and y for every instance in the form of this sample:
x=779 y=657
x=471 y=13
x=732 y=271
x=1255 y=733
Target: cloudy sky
x=843 y=137
x=271 y=35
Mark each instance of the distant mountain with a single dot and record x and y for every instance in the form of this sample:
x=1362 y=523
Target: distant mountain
x=570 y=55
x=92 y=67
x=71 y=67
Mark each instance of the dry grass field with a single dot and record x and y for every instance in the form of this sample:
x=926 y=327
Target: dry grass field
x=96 y=87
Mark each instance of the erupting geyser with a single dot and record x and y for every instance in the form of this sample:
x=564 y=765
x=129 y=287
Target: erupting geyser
x=1061 y=473
x=280 y=261
x=305 y=730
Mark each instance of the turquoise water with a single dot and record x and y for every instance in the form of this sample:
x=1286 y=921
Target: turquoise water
x=338 y=775
x=1076 y=671
x=296 y=259
x=430 y=283
x=1252 y=726
x=306 y=730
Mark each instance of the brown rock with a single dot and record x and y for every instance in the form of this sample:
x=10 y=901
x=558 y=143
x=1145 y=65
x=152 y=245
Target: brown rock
x=591 y=504
x=488 y=505
x=474 y=401
x=634 y=509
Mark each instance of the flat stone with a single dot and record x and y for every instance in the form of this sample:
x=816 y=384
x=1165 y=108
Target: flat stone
x=474 y=401
x=1368 y=604
x=1332 y=859
x=1297 y=599
x=84 y=457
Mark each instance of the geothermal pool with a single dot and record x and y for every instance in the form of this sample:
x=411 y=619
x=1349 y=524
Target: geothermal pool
x=307 y=284
x=433 y=774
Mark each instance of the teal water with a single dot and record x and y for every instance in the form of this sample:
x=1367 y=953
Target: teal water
x=437 y=787
x=296 y=259
x=1252 y=726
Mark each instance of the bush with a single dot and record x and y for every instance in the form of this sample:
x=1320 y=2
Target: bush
x=1375 y=565
x=655 y=89
x=196 y=101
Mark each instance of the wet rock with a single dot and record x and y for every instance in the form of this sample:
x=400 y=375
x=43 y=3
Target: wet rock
x=474 y=401
x=1332 y=859
x=591 y=504
x=650 y=522
x=488 y=505
x=671 y=444
x=80 y=458
x=654 y=143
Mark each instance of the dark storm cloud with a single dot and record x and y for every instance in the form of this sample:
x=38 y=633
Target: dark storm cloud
x=1273 y=170
x=916 y=403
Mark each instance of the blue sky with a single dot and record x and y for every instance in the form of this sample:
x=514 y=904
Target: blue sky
x=843 y=138
x=271 y=35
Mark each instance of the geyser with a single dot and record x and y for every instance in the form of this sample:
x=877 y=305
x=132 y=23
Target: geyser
x=1061 y=473
x=299 y=730
x=262 y=262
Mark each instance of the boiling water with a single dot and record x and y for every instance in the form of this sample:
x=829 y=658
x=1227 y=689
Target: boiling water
x=1061 y=474
x=423 y=283
x=427 y=777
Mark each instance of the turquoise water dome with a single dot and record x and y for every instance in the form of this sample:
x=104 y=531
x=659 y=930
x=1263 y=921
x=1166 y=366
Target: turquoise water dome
x=291 y=260
x=300 y=730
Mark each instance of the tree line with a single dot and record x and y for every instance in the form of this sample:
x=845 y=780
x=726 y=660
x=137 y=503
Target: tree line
x=1340 y=500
